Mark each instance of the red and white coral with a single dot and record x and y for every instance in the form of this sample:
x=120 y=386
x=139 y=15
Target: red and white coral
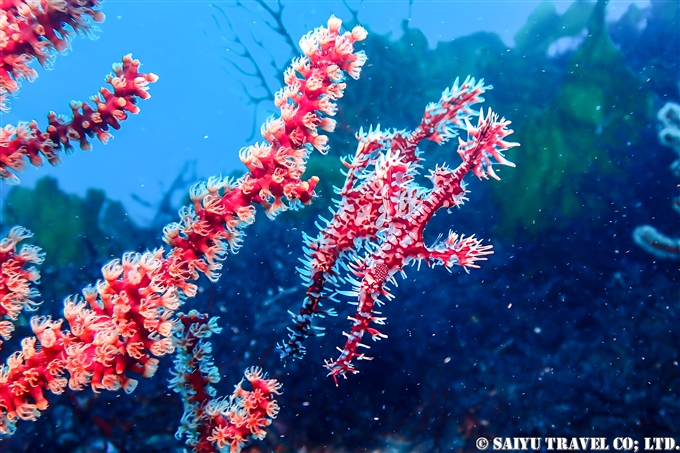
x=18 y=274
x=124 y=321
x=210 y=423
x=26 y=143
x=34 y=30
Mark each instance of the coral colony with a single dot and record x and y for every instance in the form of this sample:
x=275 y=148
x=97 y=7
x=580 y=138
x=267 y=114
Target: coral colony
x=646 y=236
x=122 y=323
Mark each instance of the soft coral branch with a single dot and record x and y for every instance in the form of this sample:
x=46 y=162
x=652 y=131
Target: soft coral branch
x=26 y=143
x=124 y=321
x=18 y=274
x=34 y=30
x=210 y=423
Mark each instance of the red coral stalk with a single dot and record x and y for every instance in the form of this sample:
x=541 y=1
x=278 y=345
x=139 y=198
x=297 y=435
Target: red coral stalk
x=35 y=30
x=17 y=277
x=27 y=143
x=212 y=424
x=31 y=30
x=124 y=321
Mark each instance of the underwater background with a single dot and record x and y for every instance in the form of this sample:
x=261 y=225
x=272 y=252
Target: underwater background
x=569 y=329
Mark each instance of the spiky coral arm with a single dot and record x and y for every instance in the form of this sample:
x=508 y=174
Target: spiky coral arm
x=35 y=29
x=126 y=318
x=26 y=143
x=17 y=277
x=646 y=236
x=212 y=424
x=384 y=163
